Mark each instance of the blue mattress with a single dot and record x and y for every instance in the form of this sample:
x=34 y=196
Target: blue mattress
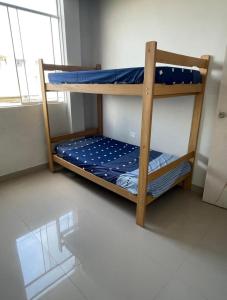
x=163 y=75
x=118 y=162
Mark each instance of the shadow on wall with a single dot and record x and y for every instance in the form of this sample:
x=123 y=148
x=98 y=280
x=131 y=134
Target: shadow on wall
x=203 y=159
x=200 y=169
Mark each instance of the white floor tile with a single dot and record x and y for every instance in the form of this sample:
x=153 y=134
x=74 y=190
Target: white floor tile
x=27 y=269
x=206 y=271
x=64 y=290
x=11 y=278
x=178 y=290
x=91 y=248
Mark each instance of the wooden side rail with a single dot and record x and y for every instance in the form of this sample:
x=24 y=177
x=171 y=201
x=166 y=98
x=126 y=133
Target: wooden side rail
x=69 y=136
x=52 y=67
x=106 y=184
x=180 y=60
x=170 y=166
x=96 y=88
x=160 y=90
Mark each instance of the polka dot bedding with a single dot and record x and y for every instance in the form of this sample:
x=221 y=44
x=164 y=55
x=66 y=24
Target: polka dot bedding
x=163 y=75
x=102 y=156
x=117 y=162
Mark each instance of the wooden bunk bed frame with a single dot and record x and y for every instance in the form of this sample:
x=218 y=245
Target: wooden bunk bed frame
x=149 y=90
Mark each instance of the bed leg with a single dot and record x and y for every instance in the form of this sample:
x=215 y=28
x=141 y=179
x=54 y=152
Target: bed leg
x=147 y=107
x=46 y=117
x=140 y=213
x=51 y=166
x=147 y=102
x=187 y=183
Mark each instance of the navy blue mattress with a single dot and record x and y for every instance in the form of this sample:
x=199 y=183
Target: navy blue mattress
x=102 y=156
x=163 y=75
x=118 y=162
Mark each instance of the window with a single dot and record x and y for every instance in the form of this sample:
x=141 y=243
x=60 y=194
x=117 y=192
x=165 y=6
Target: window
x=30 y=32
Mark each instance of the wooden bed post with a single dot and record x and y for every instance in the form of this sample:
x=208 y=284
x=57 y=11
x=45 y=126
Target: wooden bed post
x=147 y=104
x=196 y=118
x=46 y=116
x=99 y=108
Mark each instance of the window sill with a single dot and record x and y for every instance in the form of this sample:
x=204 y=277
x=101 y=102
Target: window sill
x=8 y=105
x=13 y=105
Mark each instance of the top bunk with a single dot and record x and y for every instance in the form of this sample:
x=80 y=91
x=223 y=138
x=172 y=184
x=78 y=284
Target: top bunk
x=178 y=78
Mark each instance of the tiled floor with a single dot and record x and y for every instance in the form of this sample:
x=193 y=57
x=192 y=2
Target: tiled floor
x=64 y=238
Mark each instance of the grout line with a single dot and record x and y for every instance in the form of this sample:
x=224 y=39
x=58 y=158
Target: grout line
x=168 y=281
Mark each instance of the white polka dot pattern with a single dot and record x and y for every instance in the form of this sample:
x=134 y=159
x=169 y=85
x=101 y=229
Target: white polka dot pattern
x=105 y=157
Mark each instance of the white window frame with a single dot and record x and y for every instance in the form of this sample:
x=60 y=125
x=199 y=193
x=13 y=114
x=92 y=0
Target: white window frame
x=59 y=16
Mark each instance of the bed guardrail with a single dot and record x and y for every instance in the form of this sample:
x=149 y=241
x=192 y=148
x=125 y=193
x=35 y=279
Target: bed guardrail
x=170 y=166
x=74 y=135
x=171 y=58
x=52 y=67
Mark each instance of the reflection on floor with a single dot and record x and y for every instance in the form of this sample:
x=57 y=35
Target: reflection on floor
x=65 y=238
x=39 y=268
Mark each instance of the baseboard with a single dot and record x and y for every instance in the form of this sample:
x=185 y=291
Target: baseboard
x=23 y=172
x=197 y=189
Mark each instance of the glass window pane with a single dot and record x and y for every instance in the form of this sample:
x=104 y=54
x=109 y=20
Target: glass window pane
x=34 y=36
x=19 y=55
x=9 y=91
x=47 y=6
x=57 y=50
x=56 y=41
x=37 y=43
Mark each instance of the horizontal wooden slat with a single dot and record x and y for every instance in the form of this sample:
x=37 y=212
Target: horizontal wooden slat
x=160 y=90
x=108 y=185
x=50 y=67
x=105 y=89
x=170 y=166
x=150 y=198
x=74 y=135
x=180 y=60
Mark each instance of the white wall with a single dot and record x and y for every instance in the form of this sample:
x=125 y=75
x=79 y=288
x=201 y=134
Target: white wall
x=117 y=35
x=71 y=17
x=23 y=143
x=89 y=50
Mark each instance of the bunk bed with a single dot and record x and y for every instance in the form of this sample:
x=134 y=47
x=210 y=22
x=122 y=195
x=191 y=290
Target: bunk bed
x=135 y=173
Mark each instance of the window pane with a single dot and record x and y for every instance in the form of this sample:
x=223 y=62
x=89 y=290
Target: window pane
x=27 y=37
x=47 y=6
x=19 y=55
x=37 y=43
x=56 y=41
x=57 y=50
x=9 y=91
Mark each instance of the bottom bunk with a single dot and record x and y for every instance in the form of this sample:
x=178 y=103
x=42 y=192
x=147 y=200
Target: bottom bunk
x=115 y=165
